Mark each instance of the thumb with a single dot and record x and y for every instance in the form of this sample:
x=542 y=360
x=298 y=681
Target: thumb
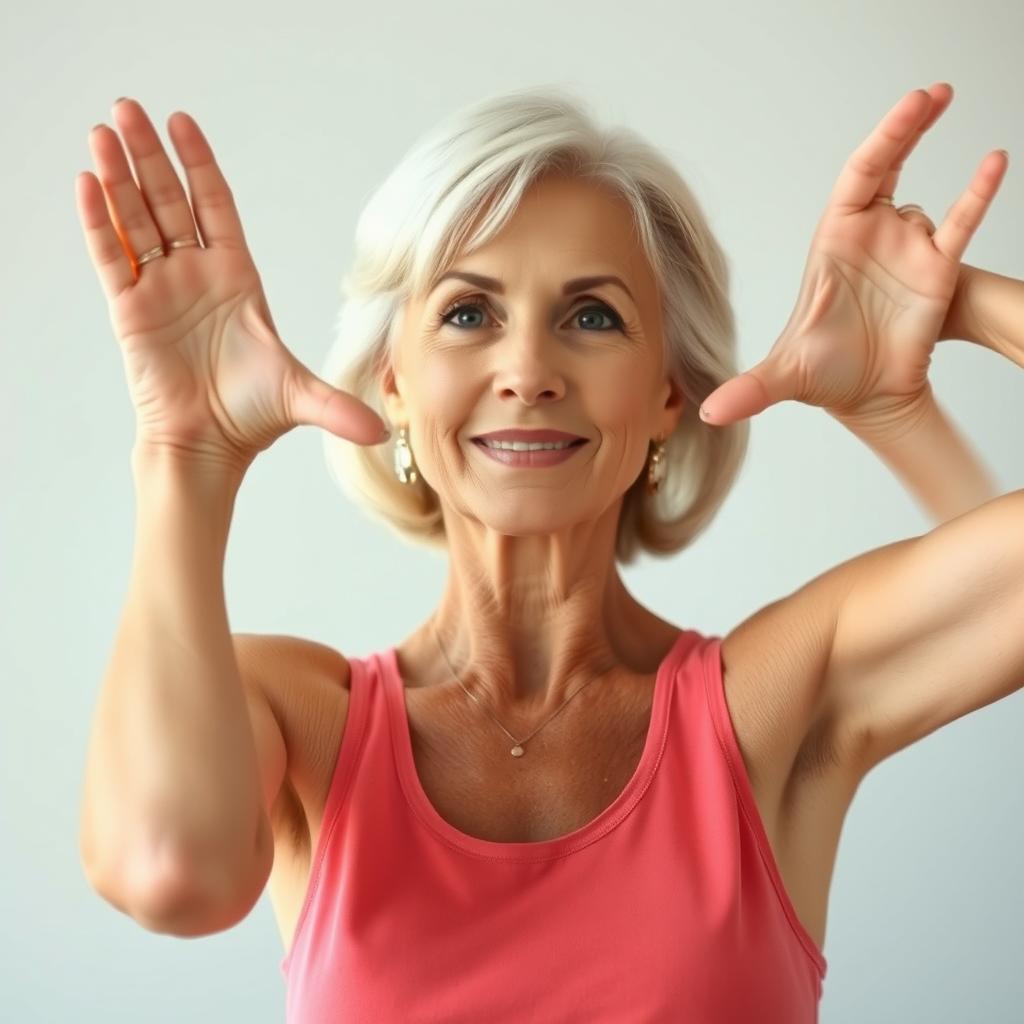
x=749 y=393
x=315 y=403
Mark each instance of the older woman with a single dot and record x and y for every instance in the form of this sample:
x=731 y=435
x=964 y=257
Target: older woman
x=547 y=803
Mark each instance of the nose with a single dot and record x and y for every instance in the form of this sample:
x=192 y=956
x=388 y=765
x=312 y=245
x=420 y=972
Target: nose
x=529 y=367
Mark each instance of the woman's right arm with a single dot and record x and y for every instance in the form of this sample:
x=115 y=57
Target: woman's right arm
x=175 y=827
x=173 y=817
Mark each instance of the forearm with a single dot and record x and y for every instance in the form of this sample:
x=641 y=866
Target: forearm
x=991 y=314
x=172 y=767
x=934 y=461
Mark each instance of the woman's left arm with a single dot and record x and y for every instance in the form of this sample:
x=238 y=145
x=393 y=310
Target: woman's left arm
x=909 y=637
x=882 y=286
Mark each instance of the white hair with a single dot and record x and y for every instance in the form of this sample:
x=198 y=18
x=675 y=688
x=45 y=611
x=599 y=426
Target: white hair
x=477 y=164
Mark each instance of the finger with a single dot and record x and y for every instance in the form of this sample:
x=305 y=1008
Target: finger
x=313 y=402
x=106 y=249
x=749 y=393
x=129 y=214
x=954 y=234
x=862 y=174
x=941 y=94
x=159 y=183
x=212 y=201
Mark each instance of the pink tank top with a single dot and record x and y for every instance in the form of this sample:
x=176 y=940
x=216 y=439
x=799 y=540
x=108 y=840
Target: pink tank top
x=666 y=907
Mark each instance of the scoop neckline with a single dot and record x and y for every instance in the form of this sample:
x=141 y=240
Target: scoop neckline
x=542 y=849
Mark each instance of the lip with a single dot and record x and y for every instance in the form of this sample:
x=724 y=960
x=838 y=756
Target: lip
x=530 y=436
x=529 y=460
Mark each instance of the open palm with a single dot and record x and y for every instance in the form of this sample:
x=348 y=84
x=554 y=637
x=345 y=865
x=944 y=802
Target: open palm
x=876 y=287
x=206 y=370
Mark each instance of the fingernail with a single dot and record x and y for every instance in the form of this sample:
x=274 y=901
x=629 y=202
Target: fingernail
x=703 y=413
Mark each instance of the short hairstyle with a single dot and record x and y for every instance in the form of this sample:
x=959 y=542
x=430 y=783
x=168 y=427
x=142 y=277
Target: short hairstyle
x=475 y=167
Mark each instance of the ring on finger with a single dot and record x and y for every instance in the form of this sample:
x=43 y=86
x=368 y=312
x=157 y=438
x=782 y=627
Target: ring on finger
x=158 y=250
x=914 y=214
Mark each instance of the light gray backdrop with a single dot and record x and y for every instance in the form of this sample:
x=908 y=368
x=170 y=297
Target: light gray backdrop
x=308 y=106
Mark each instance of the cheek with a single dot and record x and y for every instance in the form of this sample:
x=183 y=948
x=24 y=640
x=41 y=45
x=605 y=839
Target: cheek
x=443 y=393
x=617 y=402
x=438 y=377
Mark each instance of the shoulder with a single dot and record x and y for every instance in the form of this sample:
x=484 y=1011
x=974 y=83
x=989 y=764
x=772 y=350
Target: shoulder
x=289 y=669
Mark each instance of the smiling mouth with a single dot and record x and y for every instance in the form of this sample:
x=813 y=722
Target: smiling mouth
x=572 y=444
x=540 y=458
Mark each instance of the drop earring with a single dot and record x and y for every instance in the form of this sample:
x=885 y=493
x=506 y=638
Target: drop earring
x=656 y=467
x=405 y=467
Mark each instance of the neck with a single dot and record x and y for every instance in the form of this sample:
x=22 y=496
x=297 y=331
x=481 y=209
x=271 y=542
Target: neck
x=526 y=621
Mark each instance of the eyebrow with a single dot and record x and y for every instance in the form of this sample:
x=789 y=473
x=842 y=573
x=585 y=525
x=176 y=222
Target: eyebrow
x=577 y=284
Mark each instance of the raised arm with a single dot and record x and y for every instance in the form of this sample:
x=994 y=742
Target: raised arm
x=926 y=630
x=880 y=289
x=933 y=627
x=915 y=634
x=182 y=767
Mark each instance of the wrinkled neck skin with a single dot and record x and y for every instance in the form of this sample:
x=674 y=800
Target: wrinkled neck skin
x=527 y=620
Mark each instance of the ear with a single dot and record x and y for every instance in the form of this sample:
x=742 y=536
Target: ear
x=674 y=406
x=391 y=395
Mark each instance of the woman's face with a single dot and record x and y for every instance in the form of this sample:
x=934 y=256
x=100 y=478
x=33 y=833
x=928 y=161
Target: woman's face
x=476 y=357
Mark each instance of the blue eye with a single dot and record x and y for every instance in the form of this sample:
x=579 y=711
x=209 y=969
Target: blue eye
x=605 y=312
x=477 y=302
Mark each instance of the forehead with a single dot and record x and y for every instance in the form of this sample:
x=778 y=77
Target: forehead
x=563 y=227
x=560 y=206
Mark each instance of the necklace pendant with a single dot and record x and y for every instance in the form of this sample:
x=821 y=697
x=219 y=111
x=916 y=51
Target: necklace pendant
x=517 y=751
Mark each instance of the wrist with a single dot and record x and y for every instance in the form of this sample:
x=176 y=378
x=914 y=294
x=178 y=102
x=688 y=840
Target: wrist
x=165 y=466
x=992 y=314
x=207 y=462
x=889 y=422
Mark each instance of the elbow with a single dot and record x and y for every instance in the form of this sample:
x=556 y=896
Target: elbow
x=189 y=913
x=188 y=902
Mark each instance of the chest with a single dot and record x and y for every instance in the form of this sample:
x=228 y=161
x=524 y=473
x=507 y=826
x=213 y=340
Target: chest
x=571 y=771
x=573 y=766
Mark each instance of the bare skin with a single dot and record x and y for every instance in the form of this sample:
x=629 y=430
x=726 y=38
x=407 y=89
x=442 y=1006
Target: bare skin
x=534 y=606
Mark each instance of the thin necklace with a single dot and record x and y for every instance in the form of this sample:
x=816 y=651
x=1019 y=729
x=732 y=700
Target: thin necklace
x=517 y=750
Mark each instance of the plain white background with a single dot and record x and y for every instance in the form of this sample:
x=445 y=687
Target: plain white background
x=308 y=106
